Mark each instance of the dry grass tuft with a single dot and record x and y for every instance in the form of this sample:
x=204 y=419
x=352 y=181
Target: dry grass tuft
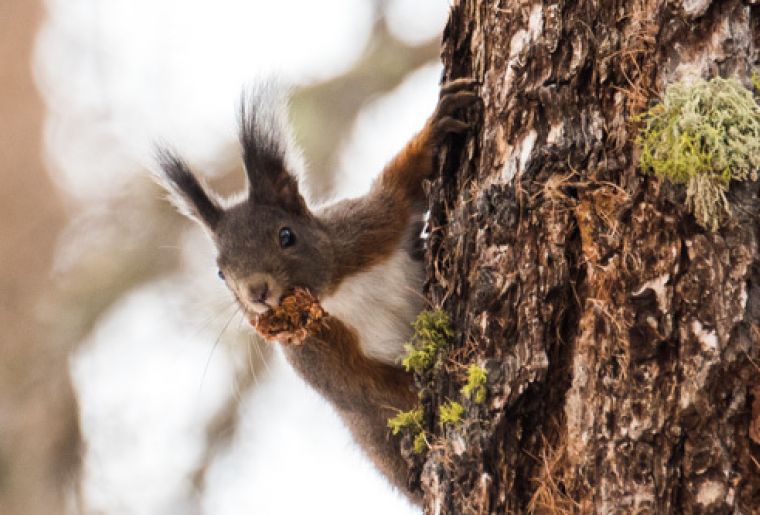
x=550 y=496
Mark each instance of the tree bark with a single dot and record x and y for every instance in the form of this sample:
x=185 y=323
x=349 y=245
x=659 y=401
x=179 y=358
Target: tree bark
x=621 y=340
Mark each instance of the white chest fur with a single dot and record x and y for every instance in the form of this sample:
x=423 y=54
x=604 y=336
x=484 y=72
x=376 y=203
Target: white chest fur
x=380 y=304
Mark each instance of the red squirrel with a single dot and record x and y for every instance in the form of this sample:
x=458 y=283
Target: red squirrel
x=359 y=258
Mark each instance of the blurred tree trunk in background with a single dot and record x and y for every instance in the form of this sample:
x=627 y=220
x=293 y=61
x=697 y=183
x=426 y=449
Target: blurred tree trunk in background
x=39 y=437
x=621 y=340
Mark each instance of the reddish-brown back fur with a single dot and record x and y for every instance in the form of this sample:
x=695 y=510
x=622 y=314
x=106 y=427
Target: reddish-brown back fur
x=403 y=175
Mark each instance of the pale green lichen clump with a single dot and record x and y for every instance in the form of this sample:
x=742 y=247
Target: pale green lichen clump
x=704 y=135
x=450 y=413
x=475 y=388
x=405 y=420
x=410 y=421
x=432 y=332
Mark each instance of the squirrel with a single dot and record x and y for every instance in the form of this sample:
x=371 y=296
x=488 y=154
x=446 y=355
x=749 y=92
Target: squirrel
x=358 y=259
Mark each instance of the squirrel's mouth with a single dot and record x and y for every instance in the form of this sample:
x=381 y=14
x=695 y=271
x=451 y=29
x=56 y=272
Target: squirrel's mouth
x=260 y=307
x=260 y=303
x=273 y=301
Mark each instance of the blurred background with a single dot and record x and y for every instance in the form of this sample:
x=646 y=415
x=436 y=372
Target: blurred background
x=128 y=383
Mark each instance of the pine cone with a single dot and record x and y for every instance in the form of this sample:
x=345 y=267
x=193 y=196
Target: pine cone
x=298 y=316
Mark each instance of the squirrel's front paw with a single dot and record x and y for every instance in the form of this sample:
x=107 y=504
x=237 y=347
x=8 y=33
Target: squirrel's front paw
x=298 y=316
x=455 y=95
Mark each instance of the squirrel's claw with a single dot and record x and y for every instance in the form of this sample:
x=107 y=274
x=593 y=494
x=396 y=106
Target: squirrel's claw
x=452 y=101
x=465 y=83
x=455 y=96
x=450 y=125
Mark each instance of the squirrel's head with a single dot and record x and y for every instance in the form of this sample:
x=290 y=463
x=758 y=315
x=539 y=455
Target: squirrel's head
x=269 y=242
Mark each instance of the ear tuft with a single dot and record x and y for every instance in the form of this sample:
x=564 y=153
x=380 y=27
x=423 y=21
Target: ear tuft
x=186 y=192
x=270 y=156
x=263 y=132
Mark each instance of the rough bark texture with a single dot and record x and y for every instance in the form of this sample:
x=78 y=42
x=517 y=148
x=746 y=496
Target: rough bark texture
x=621 y=340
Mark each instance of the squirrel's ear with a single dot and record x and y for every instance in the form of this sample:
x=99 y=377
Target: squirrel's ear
x=185 y=190
x=268 y=152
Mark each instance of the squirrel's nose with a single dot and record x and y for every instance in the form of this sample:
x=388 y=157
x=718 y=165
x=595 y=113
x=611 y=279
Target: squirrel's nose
x=258 y=292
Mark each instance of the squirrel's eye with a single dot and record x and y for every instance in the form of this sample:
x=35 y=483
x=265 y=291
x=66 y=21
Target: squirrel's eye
x=287 y=238
x=220 y=274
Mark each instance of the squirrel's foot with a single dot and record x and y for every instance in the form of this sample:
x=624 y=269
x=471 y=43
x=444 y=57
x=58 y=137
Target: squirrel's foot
x=455 y=96
x=298 y=316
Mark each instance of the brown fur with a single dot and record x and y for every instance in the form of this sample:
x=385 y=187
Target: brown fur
x=365 y=231
x=370 y=228
x=403 y=175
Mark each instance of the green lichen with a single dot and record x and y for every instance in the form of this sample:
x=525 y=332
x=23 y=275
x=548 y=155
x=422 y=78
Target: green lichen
x=406 y=420
x=755 y=78
x=420 y=443
x=410 y=422
x=450 y=413
x=704 y=135
x=475 y=388
x=432 y=332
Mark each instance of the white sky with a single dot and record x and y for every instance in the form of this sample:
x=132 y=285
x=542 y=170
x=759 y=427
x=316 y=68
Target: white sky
x=120 y=75
x=117 y=76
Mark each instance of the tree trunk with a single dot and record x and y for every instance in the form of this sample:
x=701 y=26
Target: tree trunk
x=39 y=429
x=620 y=338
